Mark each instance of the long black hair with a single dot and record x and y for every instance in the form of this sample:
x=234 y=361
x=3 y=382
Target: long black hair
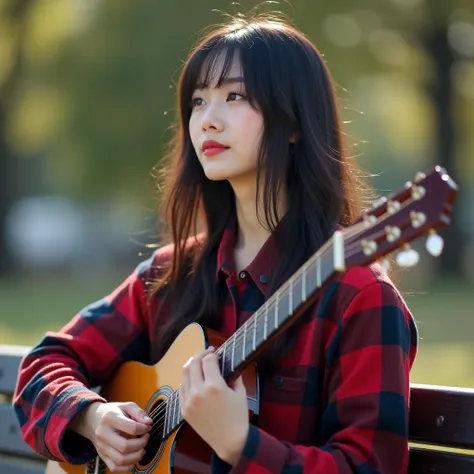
x=287 y=80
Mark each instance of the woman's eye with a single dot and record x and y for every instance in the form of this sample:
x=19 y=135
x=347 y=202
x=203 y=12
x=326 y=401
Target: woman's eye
x=197 y=101
x=235 y=96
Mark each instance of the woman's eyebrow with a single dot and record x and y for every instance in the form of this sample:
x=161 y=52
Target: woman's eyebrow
x=225 y=81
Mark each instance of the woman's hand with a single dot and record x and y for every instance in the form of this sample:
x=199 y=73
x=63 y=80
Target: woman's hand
x=216 y=411
x=119 y=432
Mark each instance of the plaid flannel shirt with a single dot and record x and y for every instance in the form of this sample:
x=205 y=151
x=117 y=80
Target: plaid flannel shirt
x=337 y=403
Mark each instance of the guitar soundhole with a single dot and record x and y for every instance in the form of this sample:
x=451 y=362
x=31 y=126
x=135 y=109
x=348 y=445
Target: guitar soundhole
x=155 y=441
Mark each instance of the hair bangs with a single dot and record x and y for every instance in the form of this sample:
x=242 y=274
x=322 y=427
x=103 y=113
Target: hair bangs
x=211 y=64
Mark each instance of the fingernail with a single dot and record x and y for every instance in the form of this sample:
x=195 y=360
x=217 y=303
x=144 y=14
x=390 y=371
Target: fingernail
x=147 y=418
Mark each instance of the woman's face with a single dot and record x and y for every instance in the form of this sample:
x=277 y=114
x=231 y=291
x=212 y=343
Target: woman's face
x=225 y=130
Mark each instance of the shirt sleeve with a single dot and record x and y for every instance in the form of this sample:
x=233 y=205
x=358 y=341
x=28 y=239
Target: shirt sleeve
x=365 y=419
x=55 y=378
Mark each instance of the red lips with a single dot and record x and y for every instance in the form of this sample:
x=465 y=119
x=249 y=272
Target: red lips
x=211 y=147
x=213 y=144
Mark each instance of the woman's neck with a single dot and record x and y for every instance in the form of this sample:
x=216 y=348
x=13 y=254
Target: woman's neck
x=251 y=233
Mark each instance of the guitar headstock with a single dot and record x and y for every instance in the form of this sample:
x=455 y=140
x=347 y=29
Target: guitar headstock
x=419 y=208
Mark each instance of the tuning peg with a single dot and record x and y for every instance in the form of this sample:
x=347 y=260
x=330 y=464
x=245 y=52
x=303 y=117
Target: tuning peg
x=407 y=257
x=417 y=192
x=369 y=219
x=378 y=202
x=419 y=176
x=434 y=244
x=417 y=219
x=393 y=233
x=369 y=246
x=393 y=207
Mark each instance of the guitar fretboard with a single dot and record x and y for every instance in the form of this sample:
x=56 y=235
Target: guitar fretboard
x=267 y=320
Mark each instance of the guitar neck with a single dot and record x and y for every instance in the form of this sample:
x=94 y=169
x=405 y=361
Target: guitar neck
x=282 y=309
x=417 y=208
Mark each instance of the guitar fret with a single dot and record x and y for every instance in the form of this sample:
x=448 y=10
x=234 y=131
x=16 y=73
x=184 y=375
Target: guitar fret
x=171 y=423
x=265 y=323
x=318 y=270
x=303 y=286
x=233 y=351
x=176 y=409
x=167 y=416
x=254 y=331
x=290 y=299
x=172 y=411
x=223 y=360
x=243 y=347
x=165 y=428
x=276 y=309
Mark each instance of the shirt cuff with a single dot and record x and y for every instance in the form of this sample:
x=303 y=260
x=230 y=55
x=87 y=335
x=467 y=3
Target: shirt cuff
x=261 y=452
x=218 y=466
x=63 y=444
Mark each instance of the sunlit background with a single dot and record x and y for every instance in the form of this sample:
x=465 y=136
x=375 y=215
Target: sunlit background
x=86 y=102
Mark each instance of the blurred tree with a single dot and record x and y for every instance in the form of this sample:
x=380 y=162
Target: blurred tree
x=442 y=88
x=431 y=42
x=13 y=22
x=109 y=99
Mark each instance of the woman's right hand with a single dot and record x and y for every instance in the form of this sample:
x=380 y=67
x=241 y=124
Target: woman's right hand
x=119 y=432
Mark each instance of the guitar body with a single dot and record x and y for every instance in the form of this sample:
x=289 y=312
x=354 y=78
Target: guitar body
x=183 y=452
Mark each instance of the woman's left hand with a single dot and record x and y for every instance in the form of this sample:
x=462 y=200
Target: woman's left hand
x=216 y=411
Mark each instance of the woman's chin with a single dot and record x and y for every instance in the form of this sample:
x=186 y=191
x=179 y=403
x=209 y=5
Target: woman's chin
x=216 y=174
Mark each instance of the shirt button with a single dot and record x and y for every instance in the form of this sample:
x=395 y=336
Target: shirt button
x=242 y=275
x=278 y=381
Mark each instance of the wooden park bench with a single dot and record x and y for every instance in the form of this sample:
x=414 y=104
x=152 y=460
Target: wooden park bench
x=441 y=418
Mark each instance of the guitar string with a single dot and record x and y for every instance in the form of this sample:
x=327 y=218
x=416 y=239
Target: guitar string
x=310 y=261
x=240 y=334
x=281 y=290
x=157 y=413
x=242 y=331
x=161 y=421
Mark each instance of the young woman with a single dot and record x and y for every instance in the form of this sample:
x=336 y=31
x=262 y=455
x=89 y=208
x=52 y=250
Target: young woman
x=259 y=166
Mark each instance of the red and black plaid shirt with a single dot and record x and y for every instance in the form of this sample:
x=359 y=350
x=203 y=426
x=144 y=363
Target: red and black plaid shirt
x=337 y=403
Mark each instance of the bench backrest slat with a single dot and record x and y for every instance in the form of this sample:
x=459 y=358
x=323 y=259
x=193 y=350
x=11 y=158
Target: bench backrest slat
x=11 y=441
x=10 y=465
x=442 y=416
x=423 y=461
x=10 y=357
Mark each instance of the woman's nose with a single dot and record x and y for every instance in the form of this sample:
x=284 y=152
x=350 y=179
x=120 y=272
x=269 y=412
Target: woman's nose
x=211 y=120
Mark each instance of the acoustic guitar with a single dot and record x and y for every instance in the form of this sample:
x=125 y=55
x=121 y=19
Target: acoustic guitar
x=419 y=208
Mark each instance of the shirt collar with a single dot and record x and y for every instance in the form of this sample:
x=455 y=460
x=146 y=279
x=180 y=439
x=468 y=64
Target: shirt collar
x=260 y=268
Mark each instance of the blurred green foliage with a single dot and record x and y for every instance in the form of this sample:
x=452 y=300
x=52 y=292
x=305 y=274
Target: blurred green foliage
x=87 y=103
x=96 y=98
